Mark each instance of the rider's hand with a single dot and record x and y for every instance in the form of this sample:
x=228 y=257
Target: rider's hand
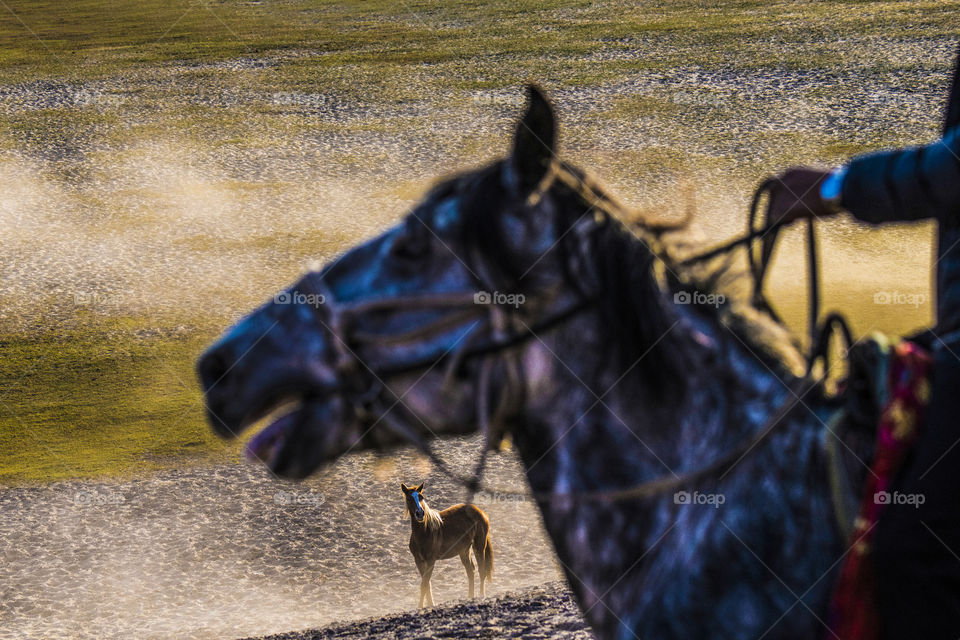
x=795 y=194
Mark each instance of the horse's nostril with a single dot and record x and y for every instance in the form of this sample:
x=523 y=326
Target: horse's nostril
x=213 y=366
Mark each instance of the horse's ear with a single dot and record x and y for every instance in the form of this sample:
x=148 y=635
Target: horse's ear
x=419 y=489
x=404 y=487
x=533 y=143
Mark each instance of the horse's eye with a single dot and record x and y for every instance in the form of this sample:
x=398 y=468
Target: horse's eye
x=410 y=244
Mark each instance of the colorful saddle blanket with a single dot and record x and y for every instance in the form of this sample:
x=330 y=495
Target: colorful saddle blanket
x=907 y=368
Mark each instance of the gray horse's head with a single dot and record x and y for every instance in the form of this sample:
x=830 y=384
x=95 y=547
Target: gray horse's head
x=427 y=325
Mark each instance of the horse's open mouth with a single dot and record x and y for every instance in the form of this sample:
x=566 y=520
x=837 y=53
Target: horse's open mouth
x=270 y=441
x=301 y=434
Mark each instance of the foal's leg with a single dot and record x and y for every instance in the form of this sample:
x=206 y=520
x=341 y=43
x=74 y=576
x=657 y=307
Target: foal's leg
x=468 y=565
x=421 y=566
x=426 y=591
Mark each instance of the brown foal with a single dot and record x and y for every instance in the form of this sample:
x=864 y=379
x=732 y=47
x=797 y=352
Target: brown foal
x=437 y=535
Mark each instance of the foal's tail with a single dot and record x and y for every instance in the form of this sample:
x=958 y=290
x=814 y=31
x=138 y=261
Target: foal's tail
x=483 y=550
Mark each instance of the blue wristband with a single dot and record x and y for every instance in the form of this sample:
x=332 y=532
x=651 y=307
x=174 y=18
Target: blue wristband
x=831 y=189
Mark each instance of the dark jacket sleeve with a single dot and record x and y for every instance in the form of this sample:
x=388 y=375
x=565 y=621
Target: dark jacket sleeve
x=906 y=184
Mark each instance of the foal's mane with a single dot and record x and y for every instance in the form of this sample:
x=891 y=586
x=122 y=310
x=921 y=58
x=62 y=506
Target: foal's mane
x=431 y=517
x=634 y=271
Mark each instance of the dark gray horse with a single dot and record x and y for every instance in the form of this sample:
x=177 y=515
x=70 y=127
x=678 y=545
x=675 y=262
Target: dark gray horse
x=512 y=297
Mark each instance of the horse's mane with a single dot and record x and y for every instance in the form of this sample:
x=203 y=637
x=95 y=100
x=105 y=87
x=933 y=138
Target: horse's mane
x=633 y=265
x=431 y=517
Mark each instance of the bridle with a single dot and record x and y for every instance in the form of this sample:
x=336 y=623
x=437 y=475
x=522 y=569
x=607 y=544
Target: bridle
x=365 y=389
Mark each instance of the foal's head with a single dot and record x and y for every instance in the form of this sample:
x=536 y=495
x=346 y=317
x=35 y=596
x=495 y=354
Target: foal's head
x=417 y=505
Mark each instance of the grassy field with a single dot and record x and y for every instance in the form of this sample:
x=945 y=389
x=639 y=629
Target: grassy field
x=93 y=38
x=165 y=166
x=104 y=400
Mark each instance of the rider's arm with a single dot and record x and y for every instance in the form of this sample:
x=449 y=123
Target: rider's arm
x=905 y=184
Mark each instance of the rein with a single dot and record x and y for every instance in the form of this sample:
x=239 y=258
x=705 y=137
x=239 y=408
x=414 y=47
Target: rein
x=819 y=333
x=367 y=397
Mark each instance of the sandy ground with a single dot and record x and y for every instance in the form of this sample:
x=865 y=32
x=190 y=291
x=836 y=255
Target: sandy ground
x=548 y=611
x=230 y=551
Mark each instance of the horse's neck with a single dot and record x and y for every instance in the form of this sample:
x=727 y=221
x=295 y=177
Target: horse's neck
x=592 y=427
x=420 y=533
x=575 y=440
